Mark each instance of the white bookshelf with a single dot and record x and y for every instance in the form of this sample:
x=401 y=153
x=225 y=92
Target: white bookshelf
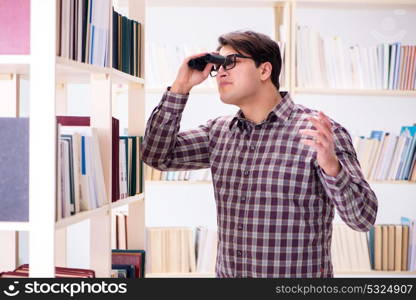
x=49 y=77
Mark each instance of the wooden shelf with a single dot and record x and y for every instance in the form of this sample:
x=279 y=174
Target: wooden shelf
x=177 y=182
x=180 y=275
x=84 y=215
x=373 y=273
x=382 y=2
x=196 y=90
x=126 y=201
x=363 y=92
x=14 y=226
x=391 y=182
x=81 y=216
x=78 y=72
x=14 y=64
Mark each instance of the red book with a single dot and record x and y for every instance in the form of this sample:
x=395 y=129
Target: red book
x=14 y=26
x=130 y=257
x=60 y=272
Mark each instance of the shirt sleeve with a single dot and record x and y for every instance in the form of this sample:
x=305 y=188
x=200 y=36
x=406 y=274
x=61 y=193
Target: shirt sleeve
x=355 y=201
x=164 y=147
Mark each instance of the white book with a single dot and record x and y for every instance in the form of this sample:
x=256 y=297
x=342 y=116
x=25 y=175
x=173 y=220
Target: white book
x=341 y=64
x=398 y=151
x=156 y=250
x=121 y=231
x=299 y=59
x=366 y=67
x=59 y=154
x=329 y=62
x=80 y=134
x=89 y=162
x=379 y=156
x=373 y=66
x=363 y=251
x=98 y=170
x=66 y=186
x=387 y=158
x=386 y=52
x=207 y=250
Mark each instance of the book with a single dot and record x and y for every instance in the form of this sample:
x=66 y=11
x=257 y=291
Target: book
x=14 y=169
x=129 y=270
x=378 y=247
x=131 y=257
x=60 y=272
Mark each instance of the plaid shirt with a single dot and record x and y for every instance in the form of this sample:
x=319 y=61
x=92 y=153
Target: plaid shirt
x=275 y=205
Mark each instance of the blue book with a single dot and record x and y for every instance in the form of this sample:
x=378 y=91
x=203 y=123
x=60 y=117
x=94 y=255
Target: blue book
x=409 y=153
x=396 y=69
x=408 y=222
x=403 y=156
x=371 y=246
x=377 y=134
x=130 y=269
x=14 y=170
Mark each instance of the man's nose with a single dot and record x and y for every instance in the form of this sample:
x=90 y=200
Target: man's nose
x=222 y=72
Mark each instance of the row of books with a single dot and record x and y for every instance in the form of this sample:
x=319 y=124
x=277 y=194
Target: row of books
x=83 y=34
x=83 y=29
x=327 y=62
x=128 y=263
x=386 y=156
x=153 y=174
x=181 y=249
x=389 y=248
x=124 y=264
x=126 y=44
x=80 y=183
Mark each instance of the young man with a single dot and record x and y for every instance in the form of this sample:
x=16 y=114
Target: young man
x=278 y=168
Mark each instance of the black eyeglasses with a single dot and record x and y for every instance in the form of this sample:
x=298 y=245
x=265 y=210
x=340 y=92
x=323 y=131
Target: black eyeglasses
x=230 y=62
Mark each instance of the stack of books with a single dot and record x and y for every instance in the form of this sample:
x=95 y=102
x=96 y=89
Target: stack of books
x=389 y=245
x=128 y=263
x=326 y=62
x=386 y=156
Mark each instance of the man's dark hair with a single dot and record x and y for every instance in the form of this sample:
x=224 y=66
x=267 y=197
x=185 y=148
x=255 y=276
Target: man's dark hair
x=257 y=45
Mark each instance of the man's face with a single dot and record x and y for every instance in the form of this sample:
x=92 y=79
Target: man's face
x=237 y=84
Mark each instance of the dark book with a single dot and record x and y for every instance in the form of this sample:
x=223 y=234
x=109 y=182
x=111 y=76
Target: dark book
x=124 y=66
x=130 y=269
x=115 y=39
x=115 y=162
x=84 y=27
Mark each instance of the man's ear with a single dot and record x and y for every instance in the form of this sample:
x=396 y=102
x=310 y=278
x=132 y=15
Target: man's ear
x=265 y=70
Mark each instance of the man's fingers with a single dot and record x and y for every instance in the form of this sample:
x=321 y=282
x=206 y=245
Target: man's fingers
x=321 y=127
